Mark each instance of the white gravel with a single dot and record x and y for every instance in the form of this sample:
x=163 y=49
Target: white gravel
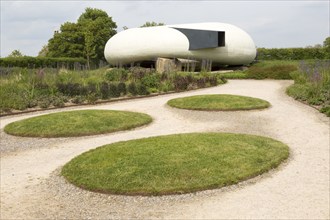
x=31 y=187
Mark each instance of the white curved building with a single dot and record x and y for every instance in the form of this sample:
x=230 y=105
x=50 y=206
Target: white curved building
x=221 y=43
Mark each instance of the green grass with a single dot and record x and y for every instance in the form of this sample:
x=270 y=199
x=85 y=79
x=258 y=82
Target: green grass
x=218 y=103
x=174 y=164
x=233 y=75
x=77 y=123
x=271 y=70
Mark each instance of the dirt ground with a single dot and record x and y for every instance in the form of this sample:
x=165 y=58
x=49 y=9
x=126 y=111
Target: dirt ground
x=31 y=187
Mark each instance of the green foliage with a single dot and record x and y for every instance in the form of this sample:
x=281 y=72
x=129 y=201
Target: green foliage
x=232 y=75
x=142 y=89
x=122 y=88
x=13 y=96
x=29 y=88
x=91 y=98
x=275 y=71
x=152 y=24
x=68 y=42
x=312 y=84
x=116 y=75
x=174 y=164
x=86 y=38
x=40 y=62
x=166 y=86
x=15 y=53
x=89 y=49
x=292 y=53
x=114 y=92
x=77 y=123
x=132 y=89
x=151 y=80
x=44 y=51
x=181 y=82
x=98 y=23
x=104 y=90
x=137 y=73
x=326 y=45
x=78 y=99
x=218 y=103
x=326 y=110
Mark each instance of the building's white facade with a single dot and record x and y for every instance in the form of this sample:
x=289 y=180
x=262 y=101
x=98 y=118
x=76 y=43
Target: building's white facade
x=171 y=41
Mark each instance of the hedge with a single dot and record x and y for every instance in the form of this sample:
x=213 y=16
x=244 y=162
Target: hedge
x=292 y=53
x=37 y=62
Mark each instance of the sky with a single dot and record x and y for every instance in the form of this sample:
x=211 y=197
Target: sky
x=28 y=25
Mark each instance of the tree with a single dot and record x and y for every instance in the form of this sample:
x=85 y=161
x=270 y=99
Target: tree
x=15 y=53
x=151 y=24
x=44 y=51
x=68 y=42
x=326 y=42
x=89 y=48
x=86 y=38
x=101 y=26
x=326 y=45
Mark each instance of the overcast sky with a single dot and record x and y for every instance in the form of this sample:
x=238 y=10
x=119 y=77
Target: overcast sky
x=28 y=25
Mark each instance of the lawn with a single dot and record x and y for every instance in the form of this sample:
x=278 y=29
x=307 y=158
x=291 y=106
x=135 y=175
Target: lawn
x=218 y=102
x=174 y=164
x=77 y=123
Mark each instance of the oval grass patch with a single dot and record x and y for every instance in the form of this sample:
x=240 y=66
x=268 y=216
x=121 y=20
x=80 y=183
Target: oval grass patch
x=174 y=164
x=221 y=102
x=77 y=123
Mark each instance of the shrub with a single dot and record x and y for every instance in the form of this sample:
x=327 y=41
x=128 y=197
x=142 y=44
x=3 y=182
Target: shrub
x=271 y=72
x=312 y=84
x=132 y=89
x=104 y=90
x=91 y=98
x=71 y=89
x=166 y=86
x=91 y=88
x=40 y=62
x=122 y=88
x=58 y=101
x=214 y=81
x=113 y=91
x=137 y=73
x=201 y=82
x=115 y=75
x=291 y=53
x=13 y=97
x=222 y=80
x=44 y=102
x=298 y=91
x=142 y=89
x=23 y=88
x=231 y=75
x=180 y=83
x=78 y=99
x=151 y=80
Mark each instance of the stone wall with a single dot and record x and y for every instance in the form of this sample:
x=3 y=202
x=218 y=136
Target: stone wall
x=168 y=65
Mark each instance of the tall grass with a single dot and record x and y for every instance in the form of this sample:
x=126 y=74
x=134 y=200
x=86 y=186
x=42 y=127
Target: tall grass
x=23 y=88
x=312 y=84
x=272 y=70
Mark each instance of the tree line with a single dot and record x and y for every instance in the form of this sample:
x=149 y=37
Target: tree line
x=317 y=52
x=86 y=39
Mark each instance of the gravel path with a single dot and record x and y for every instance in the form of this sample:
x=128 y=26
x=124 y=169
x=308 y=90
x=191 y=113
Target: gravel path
x=32 y=188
